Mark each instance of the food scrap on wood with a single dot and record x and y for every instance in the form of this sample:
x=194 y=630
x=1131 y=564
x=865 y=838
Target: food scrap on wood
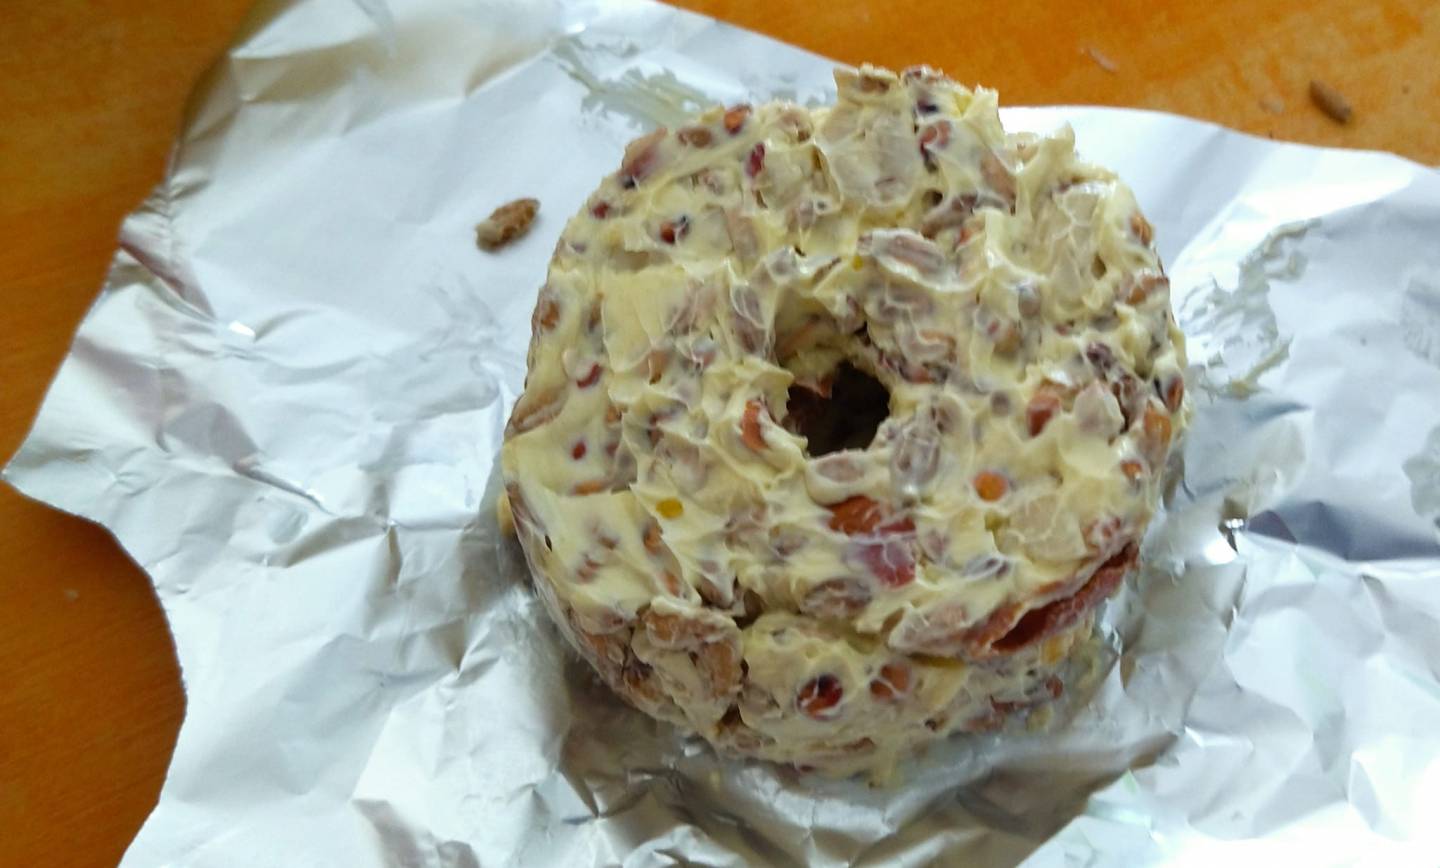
x=1101 y=59
x=1330 y=101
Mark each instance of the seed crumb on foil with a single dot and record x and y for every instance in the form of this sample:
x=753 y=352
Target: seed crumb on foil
x=506 y=223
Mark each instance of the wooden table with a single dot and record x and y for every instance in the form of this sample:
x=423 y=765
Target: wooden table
x=90 y=697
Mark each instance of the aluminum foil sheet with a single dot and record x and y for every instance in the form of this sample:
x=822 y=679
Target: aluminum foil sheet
x=287 y=401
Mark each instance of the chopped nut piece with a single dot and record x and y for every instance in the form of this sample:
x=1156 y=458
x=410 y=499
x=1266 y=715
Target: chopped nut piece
x=507 y=223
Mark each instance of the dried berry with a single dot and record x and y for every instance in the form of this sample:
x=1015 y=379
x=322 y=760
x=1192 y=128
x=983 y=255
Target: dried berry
x=890 y=561
x=991 y=486
x=1042 y=408
x=756 y=161
x=820 y=696
x=672 y=231
x=862 y=515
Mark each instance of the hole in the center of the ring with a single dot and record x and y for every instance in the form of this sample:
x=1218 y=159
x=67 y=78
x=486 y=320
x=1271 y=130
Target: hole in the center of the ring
x=847 y=418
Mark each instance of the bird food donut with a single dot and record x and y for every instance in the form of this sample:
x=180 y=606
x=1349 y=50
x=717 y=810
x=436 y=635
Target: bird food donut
x=840 y=422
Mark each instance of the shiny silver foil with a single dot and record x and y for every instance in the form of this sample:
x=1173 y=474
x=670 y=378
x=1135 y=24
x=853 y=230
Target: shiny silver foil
x=287 y=402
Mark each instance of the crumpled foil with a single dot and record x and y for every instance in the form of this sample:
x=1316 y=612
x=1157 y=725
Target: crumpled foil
x=287 y=401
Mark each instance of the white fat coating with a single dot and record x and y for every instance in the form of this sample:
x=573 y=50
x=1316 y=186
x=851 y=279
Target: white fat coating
x=1007 y=296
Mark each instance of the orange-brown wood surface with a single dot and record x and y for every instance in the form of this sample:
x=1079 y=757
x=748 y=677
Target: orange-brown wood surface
x=90 y=92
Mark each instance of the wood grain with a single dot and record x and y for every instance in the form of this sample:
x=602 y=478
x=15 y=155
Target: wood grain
x=90 y=93
x=90 y=698
x=1243 y=63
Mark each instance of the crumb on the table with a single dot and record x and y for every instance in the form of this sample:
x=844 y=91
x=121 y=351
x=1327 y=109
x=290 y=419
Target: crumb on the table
x=1101 y=59
x=1273 y=105
x=1330 y=101
x=71 y=595
x=506 y=223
